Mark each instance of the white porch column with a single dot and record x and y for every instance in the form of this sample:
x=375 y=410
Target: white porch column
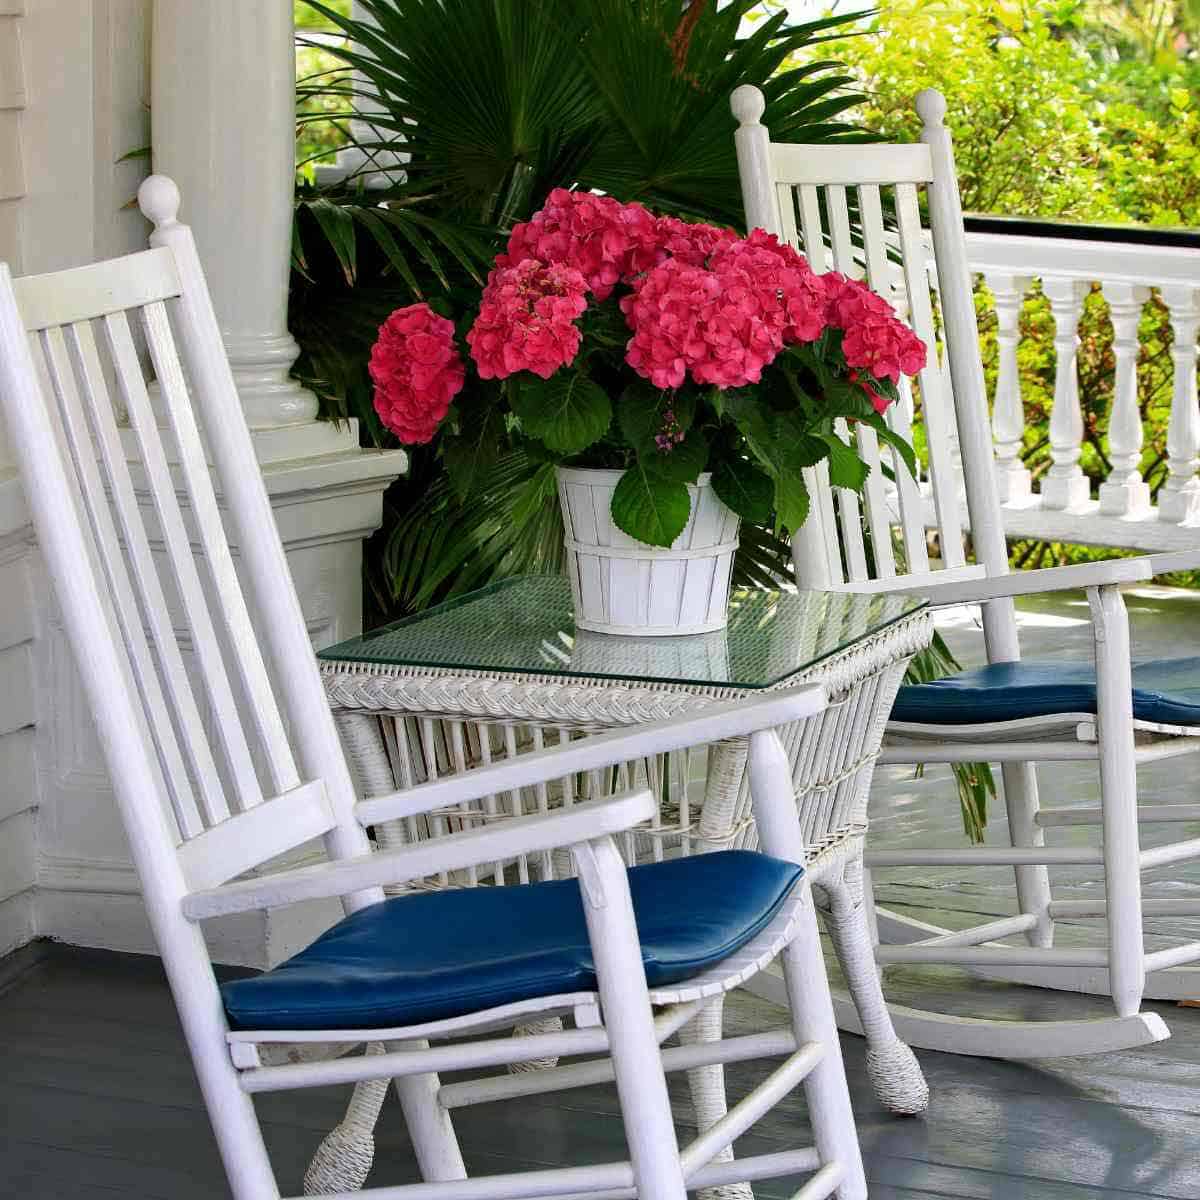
x=223 y=103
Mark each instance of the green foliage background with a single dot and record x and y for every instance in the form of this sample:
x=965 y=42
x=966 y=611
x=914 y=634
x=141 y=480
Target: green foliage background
x=1073 y=110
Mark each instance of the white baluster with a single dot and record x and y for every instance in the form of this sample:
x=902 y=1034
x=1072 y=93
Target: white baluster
x=956 y=465
x=1179 y=499
x=1065 y=485
x=1008 y=412
x=1124 y=494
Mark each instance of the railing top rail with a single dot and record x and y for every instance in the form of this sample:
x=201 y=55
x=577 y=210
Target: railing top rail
x=1039 y=227
x=1088 y=259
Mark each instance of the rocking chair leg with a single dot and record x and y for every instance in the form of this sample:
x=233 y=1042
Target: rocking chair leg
x=1118 y=799
x=825 y=1088
x=428 y=1122
x=625 y=1003
x=707 y=1085
x=1033 y=882
x=804 y=973
x=896 y=1076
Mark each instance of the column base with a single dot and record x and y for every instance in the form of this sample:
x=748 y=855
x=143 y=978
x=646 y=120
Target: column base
x=1065 y=492
x=1013 y=484
x=1180 y=507
x=1130 y=499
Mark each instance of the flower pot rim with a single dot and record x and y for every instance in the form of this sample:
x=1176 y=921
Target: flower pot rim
x=611 y=475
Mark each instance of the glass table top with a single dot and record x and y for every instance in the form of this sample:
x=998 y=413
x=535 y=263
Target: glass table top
x=526 y=625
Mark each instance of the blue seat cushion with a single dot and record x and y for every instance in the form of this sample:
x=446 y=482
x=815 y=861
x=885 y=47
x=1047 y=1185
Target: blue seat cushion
x=428 y=957
x=1166 y=691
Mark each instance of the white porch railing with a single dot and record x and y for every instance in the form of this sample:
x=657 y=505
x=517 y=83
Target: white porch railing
x=1128 y=265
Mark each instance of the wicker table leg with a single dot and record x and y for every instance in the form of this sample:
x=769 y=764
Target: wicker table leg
x=707 y=1085
x=344 y=1157
x=895 y=1074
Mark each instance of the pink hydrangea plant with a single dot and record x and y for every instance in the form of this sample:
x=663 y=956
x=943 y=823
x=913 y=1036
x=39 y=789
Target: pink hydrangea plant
x=590 y=292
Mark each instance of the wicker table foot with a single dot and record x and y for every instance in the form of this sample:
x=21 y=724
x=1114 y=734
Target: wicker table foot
x=343 y=1160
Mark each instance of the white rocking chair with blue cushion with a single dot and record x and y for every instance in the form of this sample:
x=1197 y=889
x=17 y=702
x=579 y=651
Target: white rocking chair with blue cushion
x=208 y=804
x=1012 y=712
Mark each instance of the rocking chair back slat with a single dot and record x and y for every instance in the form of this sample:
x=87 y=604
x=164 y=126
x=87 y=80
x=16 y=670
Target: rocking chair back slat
x=936 y=411
x=79 y=440
x=186 y=577
x=850 y=518
x=103 y=419
x=231 y=604
x=210 y=786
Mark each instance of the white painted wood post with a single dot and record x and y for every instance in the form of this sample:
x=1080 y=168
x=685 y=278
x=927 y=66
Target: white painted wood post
x=628 y=1017
x=966 y=370
x=223 y=98
x=771 y=791
x=1124 y=493
x=1179 y=498
x=1008 y=411
x=1065 y=485
x=1118 y=798
x=752 y=142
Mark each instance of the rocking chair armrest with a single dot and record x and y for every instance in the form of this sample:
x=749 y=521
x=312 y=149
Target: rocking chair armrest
x=485 y=844
x=1059 y=579
x=723 y=719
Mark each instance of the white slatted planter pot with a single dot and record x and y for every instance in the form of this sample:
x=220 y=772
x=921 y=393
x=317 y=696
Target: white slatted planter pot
x=624 y=586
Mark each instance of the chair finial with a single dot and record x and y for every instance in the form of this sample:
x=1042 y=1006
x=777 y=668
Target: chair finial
x=158 y=198
x=931 y=106
x=748 y=104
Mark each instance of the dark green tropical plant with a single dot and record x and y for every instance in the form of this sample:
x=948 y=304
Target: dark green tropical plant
x=494 y=103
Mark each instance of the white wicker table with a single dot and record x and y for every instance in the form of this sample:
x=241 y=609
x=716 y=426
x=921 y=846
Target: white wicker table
x=503 y=671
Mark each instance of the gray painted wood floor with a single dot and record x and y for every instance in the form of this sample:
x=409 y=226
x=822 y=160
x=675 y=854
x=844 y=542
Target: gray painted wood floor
x=98 y=1099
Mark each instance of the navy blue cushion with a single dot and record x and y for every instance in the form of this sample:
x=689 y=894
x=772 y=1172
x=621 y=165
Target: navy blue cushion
x=1164 y=691
x=427 y=957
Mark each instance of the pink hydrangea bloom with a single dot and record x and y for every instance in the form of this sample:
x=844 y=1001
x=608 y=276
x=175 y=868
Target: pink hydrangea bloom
x=604 y=240
x=874 y=339
x=417 y=371
x=526 y=320
x=780 y=275
x=713 y=326
x=692 y=242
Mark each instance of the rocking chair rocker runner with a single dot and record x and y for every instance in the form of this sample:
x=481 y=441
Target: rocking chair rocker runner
x=1012 y=712
x=207 y=813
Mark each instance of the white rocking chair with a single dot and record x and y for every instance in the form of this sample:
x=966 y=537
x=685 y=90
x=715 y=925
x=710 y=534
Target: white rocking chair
x=1009 y=712
x=206 y=812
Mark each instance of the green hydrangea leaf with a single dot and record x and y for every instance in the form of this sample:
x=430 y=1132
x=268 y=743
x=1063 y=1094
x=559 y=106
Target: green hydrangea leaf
x=649 y=507
x=682 y=463
x=567 y=412
x=889 y=437
x=846 y=469
x=746 y=489
x=791 y=501
x=640 y=413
